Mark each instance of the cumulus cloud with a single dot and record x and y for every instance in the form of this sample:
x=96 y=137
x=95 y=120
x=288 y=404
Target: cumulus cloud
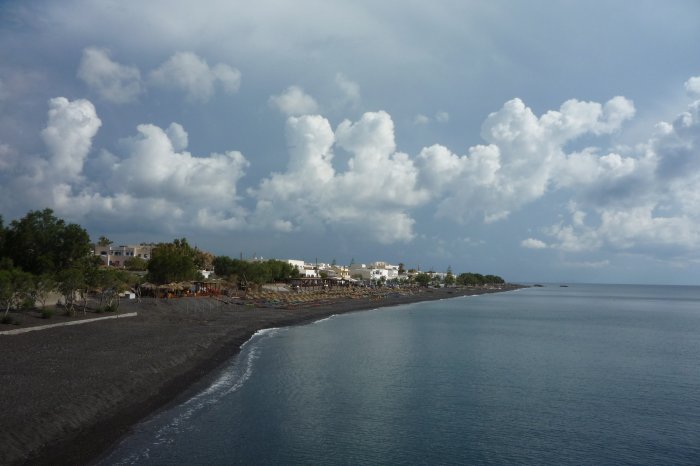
x=113 y=82
x=154 y=167
x=692 y=86
x=532 y=243
x=178 y=136
x=152 y=182
x=373 y=196
x=31 y=179
x=191 y=74
x=68 y=136
x=353 y=179
x=294 y=102
x=520 y=161
x=646 y=202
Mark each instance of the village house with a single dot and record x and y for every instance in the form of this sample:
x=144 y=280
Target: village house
x=116 y=255
x=305 y=269
x=374 y=271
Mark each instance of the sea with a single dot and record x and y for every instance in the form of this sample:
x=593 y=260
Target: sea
x=551 y=375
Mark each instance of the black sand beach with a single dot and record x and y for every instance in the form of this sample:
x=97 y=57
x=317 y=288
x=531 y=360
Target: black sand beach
x=69 y=393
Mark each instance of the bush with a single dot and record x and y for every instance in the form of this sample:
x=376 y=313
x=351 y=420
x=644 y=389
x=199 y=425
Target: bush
x=7 y=320
x=46 y=313
x=27 y=304
x=108 y=308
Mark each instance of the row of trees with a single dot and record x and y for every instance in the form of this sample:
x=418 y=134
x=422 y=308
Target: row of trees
x=476 y=279
x=41 y=254
x=463 y=279
x=240 y=272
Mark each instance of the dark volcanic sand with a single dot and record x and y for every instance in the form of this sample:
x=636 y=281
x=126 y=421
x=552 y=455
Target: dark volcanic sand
x=68 y=393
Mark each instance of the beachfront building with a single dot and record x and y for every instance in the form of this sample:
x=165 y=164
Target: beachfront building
x=297 y=264
x=340 y=271
x=116 y=255
x=305 y=269
x=374 y=271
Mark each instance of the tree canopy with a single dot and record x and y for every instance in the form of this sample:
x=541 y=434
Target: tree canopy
x=41 y=243
x=173 y=262
x=256 y=272
x=474 y=279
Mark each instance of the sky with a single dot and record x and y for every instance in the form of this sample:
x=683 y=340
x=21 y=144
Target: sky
x=543 y=141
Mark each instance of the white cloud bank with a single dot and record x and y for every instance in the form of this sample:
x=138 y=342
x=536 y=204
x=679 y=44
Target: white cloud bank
x=354 y=180
x=647 y=202
x=523 y=157
x=153 y=182
x=371 y=197
x=183 y=71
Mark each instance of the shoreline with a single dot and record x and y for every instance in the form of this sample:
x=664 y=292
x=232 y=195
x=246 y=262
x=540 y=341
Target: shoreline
x=72 y=393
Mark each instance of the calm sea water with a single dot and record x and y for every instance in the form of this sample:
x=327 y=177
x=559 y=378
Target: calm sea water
x=588 y=374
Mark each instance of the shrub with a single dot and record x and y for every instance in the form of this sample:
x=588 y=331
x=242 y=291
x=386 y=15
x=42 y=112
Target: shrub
x=27 y=304
x=7 y=320
x=46 y=313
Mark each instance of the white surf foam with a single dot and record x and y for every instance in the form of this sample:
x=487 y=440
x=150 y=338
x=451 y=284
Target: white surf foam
x=174 y=421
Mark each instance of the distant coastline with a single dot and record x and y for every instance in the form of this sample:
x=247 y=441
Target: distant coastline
x=71 y=392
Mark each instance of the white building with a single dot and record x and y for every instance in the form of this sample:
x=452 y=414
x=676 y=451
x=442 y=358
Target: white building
x=375 y=271
x=304 y=269
x=116 y=255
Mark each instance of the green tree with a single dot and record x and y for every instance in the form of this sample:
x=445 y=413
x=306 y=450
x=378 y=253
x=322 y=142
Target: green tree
x=256 y=272
x=107 y=284
x=471 y=279
x=41 y=243
x=71 y=285
x=15 y=286
x=493 y=280
x=104 y=241
x=203 y=260
x=137 y=264
x=423 y=279
x=173 y=262
x=44 y=285
x=449 y=277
